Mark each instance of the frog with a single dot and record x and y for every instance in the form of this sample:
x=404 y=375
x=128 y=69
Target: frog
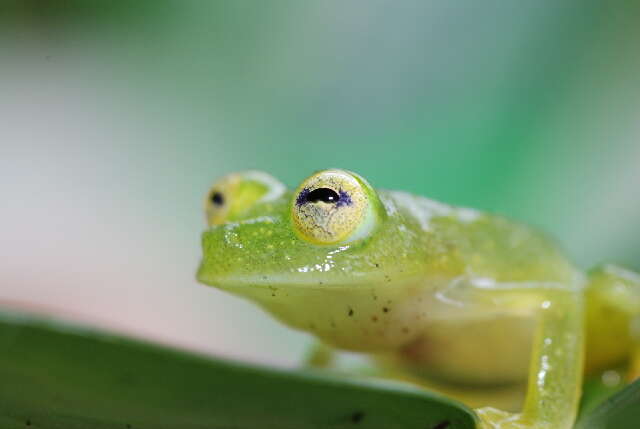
x=470 y=304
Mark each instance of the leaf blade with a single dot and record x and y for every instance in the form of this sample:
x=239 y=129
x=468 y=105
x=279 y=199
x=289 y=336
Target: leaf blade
x=62 y=376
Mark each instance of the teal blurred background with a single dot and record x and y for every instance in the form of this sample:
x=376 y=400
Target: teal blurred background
x=115 y=117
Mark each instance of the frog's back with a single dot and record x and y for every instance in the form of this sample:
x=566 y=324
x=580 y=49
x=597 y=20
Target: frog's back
x=487 y=246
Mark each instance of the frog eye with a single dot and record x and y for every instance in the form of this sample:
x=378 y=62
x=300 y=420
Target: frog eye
x=231 y=195
x=334 y=206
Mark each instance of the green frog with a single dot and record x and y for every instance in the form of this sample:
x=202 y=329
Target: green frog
x=470 y=304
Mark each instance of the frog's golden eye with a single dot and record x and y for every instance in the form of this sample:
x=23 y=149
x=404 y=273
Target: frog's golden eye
x=334 y=206
x=216 y=206
x=230 y=196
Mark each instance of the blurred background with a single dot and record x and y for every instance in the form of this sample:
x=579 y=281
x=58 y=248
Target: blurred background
x=115 y=117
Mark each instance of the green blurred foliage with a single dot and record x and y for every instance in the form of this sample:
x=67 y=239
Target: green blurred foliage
x=526 y=110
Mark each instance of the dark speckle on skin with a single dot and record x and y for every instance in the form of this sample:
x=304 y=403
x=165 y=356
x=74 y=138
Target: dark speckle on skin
x=385 y=309
x=350 y=312
x=442 y=425
x=28 y=422
x=357 y=417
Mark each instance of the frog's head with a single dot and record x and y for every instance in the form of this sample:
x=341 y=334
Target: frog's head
x=332 y=251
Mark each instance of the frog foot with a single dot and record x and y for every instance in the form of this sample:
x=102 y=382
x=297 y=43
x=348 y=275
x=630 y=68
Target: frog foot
x=492 y=418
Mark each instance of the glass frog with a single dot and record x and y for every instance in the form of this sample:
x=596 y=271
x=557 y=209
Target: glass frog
x=470 y=304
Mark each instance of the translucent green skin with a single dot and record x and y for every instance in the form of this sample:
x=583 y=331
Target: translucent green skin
x=455 y=295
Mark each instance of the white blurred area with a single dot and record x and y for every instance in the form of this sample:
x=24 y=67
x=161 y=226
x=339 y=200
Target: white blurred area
x=101 y=220
x=103 y=165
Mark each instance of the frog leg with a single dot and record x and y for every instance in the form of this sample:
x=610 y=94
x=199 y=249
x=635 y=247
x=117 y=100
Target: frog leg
x=556 y=366
x=613 y=319
x=326 y=357
x=319 y=355
x=634 y=365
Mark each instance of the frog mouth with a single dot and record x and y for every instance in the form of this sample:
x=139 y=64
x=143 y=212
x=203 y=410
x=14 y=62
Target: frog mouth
x=235 y=282
x=292 y=281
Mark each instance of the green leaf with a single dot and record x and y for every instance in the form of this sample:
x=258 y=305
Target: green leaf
x=62 y=376
x=619 y=411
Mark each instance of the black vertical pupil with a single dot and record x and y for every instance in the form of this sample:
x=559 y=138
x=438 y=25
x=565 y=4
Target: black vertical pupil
x=325 y=195
x=217 y=198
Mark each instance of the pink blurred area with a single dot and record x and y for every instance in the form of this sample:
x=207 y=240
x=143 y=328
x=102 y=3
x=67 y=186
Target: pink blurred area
x=102 y=216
